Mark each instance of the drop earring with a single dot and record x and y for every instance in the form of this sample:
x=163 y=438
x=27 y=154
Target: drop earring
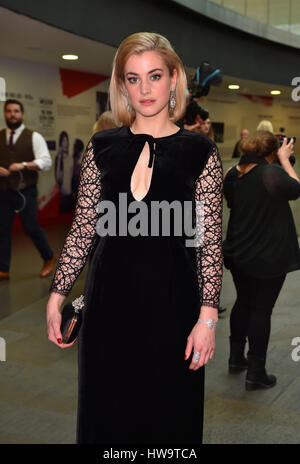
x=127 y=105
x=172 y=99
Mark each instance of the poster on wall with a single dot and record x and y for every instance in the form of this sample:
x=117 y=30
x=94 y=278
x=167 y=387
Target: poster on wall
x=67 y=171
x=46 y=117
x=62 y=105
x=218 y=129
x=102 y=103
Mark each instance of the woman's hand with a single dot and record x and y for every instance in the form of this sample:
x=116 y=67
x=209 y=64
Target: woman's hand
x=202 y=339
x=53 y=316
x=286 y=150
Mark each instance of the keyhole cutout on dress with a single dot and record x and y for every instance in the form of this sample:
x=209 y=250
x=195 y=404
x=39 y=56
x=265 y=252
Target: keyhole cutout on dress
x=142 y=175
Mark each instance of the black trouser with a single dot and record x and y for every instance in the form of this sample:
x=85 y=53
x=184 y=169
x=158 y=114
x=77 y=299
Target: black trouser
x=10 y=200
x=251 y=314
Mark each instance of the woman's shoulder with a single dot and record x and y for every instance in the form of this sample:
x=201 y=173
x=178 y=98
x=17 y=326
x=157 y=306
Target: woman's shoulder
x=197 y=149
x=273 y=173
x=108 y=139
x=276 y=167
x=197 y=139
x=276 y=180
x=199 y=146
x=108 y=135
x=231 y=172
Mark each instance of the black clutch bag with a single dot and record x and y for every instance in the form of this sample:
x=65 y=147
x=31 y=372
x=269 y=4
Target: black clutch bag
x=71 y=319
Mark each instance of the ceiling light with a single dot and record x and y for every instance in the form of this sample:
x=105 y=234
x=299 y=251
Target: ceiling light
x=275 y=92
x=233 y=86
x=70 y=57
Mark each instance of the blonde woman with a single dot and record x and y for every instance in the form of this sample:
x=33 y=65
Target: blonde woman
x=151 y=300
x=265 y=126
x=104 y=122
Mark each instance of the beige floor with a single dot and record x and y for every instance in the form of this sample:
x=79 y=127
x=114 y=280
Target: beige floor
x=38 y=381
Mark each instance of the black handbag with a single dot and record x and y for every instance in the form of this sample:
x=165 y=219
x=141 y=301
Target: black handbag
x=71 y=319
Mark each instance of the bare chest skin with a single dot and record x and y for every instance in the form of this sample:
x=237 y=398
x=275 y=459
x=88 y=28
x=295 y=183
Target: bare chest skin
x=141 y=176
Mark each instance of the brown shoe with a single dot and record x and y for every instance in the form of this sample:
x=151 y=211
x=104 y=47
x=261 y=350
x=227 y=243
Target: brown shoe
x=4 y=275
x=48 y=267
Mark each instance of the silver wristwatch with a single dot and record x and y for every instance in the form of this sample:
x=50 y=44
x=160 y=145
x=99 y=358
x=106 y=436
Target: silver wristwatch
x=211 y=323
x=24 y=164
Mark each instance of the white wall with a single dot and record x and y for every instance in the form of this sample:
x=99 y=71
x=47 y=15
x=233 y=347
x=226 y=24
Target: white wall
x=31 y=83
x=238 y=112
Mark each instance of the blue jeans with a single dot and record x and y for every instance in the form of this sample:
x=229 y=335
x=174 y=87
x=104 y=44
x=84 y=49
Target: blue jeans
x=10 y=200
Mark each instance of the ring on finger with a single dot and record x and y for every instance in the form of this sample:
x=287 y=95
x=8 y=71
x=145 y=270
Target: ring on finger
x=196 y=356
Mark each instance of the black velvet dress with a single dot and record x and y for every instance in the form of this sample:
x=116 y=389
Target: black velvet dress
x=143 y=292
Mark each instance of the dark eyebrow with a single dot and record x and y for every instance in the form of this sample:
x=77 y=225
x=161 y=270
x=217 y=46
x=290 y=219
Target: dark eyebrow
x=156 y=69
x=152 y=70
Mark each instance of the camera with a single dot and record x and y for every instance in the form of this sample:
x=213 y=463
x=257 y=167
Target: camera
x=205 y=76
x=282 y=136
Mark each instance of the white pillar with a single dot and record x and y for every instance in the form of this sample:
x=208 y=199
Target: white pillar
x=2 y=349
x=2 y=89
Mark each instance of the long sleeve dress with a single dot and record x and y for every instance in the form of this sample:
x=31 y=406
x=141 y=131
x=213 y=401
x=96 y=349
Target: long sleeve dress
x=143 y=292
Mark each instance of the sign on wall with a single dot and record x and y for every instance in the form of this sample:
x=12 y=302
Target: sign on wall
x=61 y=105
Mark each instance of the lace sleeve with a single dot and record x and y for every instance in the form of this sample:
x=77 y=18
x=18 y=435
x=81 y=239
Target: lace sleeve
x=209 y=257
x=82 y=234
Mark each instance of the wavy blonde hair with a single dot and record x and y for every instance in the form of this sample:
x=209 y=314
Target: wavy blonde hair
x=136 y=44
x=265 y=126
x=105 y=121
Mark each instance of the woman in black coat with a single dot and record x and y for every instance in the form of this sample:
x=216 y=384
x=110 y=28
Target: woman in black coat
x=261 y=247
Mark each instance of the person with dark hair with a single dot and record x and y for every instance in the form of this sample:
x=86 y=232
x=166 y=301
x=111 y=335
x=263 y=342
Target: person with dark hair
x=23 y=153
x=64 y=140
x=260 y=248
x=13 y=101
x=63 y=151
x=63 y=174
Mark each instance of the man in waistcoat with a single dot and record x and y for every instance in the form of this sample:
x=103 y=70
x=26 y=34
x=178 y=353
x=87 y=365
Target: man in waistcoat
x=22 y=154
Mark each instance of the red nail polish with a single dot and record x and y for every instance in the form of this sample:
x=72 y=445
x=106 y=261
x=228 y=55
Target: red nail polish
x=59 y=340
